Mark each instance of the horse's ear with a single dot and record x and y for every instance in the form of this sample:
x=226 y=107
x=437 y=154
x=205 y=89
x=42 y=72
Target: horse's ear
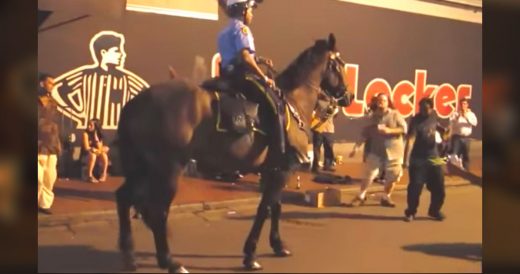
x=332 y=42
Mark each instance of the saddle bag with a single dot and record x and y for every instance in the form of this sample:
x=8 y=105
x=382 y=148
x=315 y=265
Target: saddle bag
x=237 y=114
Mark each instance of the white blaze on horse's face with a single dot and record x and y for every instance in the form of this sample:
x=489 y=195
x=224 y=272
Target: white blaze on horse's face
x=336 y=56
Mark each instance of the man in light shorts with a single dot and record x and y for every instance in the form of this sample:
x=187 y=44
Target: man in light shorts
x=386 y=148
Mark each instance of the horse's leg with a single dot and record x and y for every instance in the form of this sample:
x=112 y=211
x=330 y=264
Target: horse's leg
x=279 y=178
x=249 y=250
x=274 y=183
x=126 y=243
x=162 y=194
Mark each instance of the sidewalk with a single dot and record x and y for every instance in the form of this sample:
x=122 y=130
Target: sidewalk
x=79 y=200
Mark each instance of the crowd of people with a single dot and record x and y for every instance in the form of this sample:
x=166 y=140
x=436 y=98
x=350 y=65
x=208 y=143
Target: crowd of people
x=391 y=145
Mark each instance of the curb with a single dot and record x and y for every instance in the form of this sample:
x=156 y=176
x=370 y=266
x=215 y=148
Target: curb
x=288 y=196
x=108 y=215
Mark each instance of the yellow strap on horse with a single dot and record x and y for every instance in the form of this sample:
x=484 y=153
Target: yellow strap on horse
x=217 y=125
x=288 y=118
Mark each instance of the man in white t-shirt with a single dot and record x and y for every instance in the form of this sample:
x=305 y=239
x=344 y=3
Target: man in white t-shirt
x=461 y=125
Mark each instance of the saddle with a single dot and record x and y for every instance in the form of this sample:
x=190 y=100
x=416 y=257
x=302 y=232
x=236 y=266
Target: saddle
x=236 y=114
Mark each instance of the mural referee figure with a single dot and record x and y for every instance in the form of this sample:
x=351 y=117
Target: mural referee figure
x=100 y=90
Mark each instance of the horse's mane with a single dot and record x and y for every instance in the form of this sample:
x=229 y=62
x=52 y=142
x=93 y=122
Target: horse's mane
x=298 y=71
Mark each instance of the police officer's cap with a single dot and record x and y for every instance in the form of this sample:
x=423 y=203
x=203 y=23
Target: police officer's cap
x=244 y=3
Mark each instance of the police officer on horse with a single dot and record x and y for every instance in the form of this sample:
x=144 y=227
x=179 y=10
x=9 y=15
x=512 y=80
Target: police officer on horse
x=240 y=65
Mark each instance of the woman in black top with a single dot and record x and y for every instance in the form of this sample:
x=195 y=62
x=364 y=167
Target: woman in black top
x=93 y=146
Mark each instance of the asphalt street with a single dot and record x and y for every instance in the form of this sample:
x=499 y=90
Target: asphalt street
x=369 y=238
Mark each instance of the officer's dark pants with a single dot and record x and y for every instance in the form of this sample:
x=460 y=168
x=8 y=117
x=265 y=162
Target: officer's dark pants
x=248 y=84
x=421 y=172
x=460 y=146
x=269 y=97
x=325 y=139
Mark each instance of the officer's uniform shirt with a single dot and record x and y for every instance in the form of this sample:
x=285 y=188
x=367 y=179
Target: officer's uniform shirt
x=235 y=37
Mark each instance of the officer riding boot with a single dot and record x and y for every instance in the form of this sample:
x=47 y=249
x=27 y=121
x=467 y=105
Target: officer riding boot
x=280 y=132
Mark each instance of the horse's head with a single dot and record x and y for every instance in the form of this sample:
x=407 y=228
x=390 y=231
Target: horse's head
x=318 y=68
x=333 y=77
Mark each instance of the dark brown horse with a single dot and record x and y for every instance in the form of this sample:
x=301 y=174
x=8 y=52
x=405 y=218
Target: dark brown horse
x=168 y=124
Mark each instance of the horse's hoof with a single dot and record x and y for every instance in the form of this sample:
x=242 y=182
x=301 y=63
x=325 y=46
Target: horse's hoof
x=129 y=263
x=284 y=252
x=177 y=269
x=253 y=265
x=130 y=266
x=163 y=262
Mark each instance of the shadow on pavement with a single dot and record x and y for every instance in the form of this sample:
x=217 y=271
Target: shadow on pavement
x=238 y=269
x=204 y=256
x=217 y=256
x=465 y=251
x=77 y=257
x=84 y=194
x=472 y=178
x=139 y=254
x=328 y=215
x=237 y=186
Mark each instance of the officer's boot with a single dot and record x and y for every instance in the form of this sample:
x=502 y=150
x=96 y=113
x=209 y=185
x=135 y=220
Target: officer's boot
x=280 y=132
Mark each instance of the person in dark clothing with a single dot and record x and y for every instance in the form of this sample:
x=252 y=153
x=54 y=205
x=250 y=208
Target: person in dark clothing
x=93 y=147
x=322 y=128
x=46 y=84
x=425 y=164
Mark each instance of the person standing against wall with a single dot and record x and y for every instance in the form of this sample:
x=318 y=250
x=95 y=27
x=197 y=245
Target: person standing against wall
x=49 y=147
x=461 y=125
x=322 y=128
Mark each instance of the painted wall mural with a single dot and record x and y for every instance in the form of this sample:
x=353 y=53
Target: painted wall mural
x=409 y=55
x=101 y=89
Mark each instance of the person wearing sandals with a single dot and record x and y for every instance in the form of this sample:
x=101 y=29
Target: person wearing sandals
x=384 y=150
x=94 y=148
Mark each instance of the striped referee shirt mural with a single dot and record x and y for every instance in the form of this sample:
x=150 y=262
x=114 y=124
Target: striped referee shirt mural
x=99 y=90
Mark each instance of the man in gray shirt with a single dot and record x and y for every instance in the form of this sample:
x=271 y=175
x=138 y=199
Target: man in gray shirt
x=385 y=134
